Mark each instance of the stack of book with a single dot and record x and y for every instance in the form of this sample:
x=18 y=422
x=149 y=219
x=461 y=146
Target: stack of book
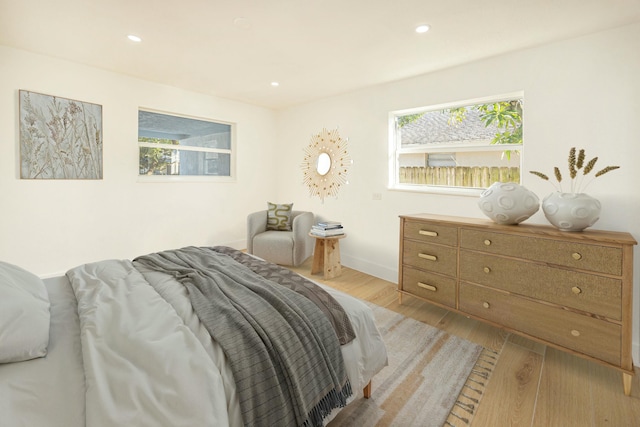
x=327 y=229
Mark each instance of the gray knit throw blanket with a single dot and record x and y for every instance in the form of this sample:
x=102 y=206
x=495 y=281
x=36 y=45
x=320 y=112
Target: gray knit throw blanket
x=282 y=349
x=285 y=277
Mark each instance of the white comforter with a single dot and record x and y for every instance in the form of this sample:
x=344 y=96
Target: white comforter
x=147 y=360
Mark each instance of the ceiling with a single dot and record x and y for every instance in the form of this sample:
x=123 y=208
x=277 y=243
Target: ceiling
x=314 y=48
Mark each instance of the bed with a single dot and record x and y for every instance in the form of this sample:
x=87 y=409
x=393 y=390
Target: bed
x=127 y=343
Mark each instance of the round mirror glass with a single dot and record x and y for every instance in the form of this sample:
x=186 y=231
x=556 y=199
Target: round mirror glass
x=324 y=163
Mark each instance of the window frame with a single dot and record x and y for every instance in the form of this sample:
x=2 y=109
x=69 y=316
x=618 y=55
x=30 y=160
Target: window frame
x=191 y=178
x=395 y=151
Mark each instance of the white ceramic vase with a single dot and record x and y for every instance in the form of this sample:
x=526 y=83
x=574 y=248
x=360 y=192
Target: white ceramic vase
x=508 y=203
x=571 y=211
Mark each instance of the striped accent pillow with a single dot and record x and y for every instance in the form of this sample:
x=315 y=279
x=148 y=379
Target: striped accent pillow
x=279 y=216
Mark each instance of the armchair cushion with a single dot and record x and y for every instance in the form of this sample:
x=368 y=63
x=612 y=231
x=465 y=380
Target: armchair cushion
x=279 y=216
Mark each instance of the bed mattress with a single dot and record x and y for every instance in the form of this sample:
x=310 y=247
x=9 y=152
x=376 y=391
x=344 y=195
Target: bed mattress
x=134 y=354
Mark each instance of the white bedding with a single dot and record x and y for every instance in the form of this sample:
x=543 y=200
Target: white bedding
x=48 y=391
x=148 y=361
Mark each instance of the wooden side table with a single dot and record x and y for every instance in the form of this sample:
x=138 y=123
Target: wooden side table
x=326 y=256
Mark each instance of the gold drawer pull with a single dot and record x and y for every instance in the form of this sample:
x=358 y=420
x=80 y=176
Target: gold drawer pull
x=576 y=256
x=429 y=257
x=428 y=233
x=486 y=270
x=576 y=290
x=428 y=287
x=487 y=242
x=486 y=304
x=575 y=333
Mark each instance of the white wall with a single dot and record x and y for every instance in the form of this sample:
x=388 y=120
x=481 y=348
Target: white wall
x=49 y=226
x=584 y=92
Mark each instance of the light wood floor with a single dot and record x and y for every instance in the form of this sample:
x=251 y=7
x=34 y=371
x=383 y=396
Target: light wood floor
x=532 y=385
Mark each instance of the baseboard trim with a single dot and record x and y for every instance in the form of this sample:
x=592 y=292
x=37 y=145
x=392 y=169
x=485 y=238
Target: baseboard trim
x=370 y=268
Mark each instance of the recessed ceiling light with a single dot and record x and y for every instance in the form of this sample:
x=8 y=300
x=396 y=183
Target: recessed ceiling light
x=422 y=28
x=243 y=23
x=275 y=84
x=134 y=38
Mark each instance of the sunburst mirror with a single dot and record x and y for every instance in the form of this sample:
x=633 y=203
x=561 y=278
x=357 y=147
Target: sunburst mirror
x=326 y=163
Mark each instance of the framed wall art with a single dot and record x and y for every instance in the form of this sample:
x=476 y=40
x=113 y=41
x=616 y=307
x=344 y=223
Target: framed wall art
x=60 y=138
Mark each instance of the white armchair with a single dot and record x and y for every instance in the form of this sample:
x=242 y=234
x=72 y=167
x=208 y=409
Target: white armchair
x=280 y=247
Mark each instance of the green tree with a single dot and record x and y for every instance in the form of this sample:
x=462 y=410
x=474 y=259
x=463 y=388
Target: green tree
x=155 y=160
x=410 y=118
x=505 y=115
x=456 y=115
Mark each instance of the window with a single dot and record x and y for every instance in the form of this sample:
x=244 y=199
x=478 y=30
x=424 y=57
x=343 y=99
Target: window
x=178 y=146
x=457 y=147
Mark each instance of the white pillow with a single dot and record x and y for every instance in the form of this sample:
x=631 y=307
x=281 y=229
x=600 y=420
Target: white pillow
x=24 y=315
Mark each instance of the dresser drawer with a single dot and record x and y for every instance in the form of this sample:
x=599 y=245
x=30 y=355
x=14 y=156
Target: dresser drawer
x=436 y=258
x=431 y=232
x=584 y=334
x=591 y=293
x=602 y=259
x=436 y=288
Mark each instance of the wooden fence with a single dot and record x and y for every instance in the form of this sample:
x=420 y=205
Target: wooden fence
x=459 y=176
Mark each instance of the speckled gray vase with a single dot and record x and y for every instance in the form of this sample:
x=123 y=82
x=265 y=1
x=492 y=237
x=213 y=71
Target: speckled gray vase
x=571 y=211
x=508 y=203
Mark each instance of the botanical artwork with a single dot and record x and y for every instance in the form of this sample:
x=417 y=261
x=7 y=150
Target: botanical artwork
x=59 y=138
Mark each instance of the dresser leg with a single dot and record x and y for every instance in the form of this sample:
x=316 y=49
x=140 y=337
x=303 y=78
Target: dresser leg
x=400 y=298
x=626 y=380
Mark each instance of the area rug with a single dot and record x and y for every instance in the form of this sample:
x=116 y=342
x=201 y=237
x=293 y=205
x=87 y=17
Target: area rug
x=433 y=378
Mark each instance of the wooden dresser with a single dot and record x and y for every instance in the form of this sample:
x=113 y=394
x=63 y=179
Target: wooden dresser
x=569 y=290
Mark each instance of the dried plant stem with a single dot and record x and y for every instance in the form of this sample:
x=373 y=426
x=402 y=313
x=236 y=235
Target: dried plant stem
x=607 y=169
x=572 y=163
x=600 y=173
x=584 y=187
x=580 y=159
x=590 y=166
x=558 y=175
x=540 y=174
x=575 y=164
